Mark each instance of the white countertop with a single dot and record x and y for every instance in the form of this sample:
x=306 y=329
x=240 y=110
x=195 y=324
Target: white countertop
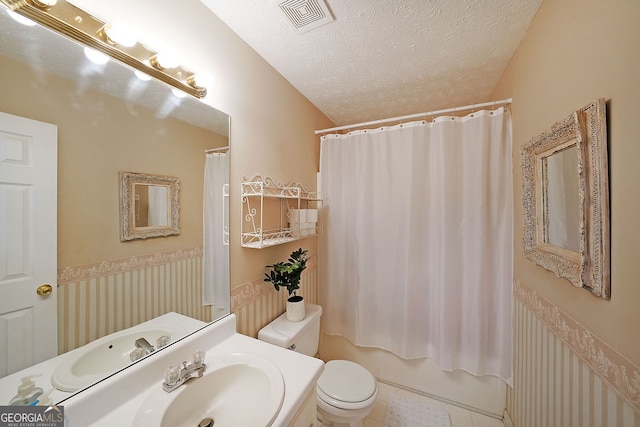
x=115 y=400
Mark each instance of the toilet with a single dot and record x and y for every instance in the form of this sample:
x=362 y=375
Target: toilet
x=345 y=392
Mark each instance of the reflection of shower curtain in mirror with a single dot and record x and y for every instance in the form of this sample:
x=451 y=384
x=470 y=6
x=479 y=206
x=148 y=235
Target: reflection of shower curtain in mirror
x=561 y=188
x=158 y=206
x=216 y=254
x=418 y=252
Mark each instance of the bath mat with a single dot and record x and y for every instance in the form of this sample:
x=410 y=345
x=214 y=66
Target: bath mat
x=408 y=412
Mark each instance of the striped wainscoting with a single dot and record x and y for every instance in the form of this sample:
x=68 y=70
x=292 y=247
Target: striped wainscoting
x=257 y=303
x=564 y=376
x=98 y=299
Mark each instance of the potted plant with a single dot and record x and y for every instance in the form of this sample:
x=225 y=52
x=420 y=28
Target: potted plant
x=287 y=274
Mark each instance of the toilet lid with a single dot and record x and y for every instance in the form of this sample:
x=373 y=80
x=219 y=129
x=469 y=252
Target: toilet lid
x=346 y=381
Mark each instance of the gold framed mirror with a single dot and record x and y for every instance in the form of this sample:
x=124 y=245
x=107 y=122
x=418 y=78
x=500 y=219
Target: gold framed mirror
x=149 y=206
x=566 y=199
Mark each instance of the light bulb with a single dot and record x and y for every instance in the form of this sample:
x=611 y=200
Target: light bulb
x=178 y=93
x=96 y=57
x=165 y=60
x=202 y=79
x=121 y=34
x=142 y=76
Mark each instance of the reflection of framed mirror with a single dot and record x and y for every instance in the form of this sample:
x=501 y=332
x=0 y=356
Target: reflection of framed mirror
x=566 y=199
x=149 y=206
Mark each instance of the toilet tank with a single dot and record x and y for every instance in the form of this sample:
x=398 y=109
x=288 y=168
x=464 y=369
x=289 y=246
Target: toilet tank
x=302 y=336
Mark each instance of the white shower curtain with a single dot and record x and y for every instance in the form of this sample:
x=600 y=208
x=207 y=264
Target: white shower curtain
x=417 y=251
x=215 y=278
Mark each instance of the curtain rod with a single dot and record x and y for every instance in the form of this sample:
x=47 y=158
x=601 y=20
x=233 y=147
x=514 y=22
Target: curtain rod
x=214 y=150
x=416 y=116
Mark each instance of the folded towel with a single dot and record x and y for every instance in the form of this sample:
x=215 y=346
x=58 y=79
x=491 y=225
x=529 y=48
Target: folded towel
x=311 y=215
x=297 y=215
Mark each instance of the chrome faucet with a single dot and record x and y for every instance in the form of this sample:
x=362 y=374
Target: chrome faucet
x=143 y=347
x=144 y=344
x=175 y=375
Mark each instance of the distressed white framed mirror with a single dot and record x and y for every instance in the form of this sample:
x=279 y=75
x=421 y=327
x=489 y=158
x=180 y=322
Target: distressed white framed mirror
x=566 y=199
x=149 y=206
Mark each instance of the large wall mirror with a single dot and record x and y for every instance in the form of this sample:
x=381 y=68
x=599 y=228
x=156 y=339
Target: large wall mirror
x=566 y=199
x=47 y=78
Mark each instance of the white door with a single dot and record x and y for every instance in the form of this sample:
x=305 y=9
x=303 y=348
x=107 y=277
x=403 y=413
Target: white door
x=28 y=242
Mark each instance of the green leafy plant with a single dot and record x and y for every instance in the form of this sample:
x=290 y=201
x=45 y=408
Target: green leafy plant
x=287 y=274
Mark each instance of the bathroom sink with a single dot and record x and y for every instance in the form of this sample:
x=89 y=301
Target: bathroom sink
x=237 y=389
x=104 y=356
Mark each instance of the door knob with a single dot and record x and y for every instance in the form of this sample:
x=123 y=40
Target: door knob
x=44 y=290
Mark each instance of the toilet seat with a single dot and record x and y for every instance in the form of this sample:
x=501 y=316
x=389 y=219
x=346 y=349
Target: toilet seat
x=346 y=385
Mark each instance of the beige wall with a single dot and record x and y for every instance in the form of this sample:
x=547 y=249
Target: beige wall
x=574 y=52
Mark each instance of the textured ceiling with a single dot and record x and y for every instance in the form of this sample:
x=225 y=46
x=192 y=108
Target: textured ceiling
x=385 y=58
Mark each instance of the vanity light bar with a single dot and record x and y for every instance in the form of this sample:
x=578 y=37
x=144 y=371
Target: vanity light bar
x=73 y=22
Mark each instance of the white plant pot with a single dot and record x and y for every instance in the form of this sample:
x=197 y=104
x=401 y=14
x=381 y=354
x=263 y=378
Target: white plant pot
x=295 y=310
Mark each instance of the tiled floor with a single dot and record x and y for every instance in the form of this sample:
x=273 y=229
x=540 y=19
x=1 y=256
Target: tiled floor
x=459 y=416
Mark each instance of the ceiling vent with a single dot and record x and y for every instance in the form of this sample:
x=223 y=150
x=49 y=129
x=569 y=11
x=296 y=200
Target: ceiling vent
x=306 y=15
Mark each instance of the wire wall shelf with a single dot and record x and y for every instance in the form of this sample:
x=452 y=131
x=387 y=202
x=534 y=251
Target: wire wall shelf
x=274 y=213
